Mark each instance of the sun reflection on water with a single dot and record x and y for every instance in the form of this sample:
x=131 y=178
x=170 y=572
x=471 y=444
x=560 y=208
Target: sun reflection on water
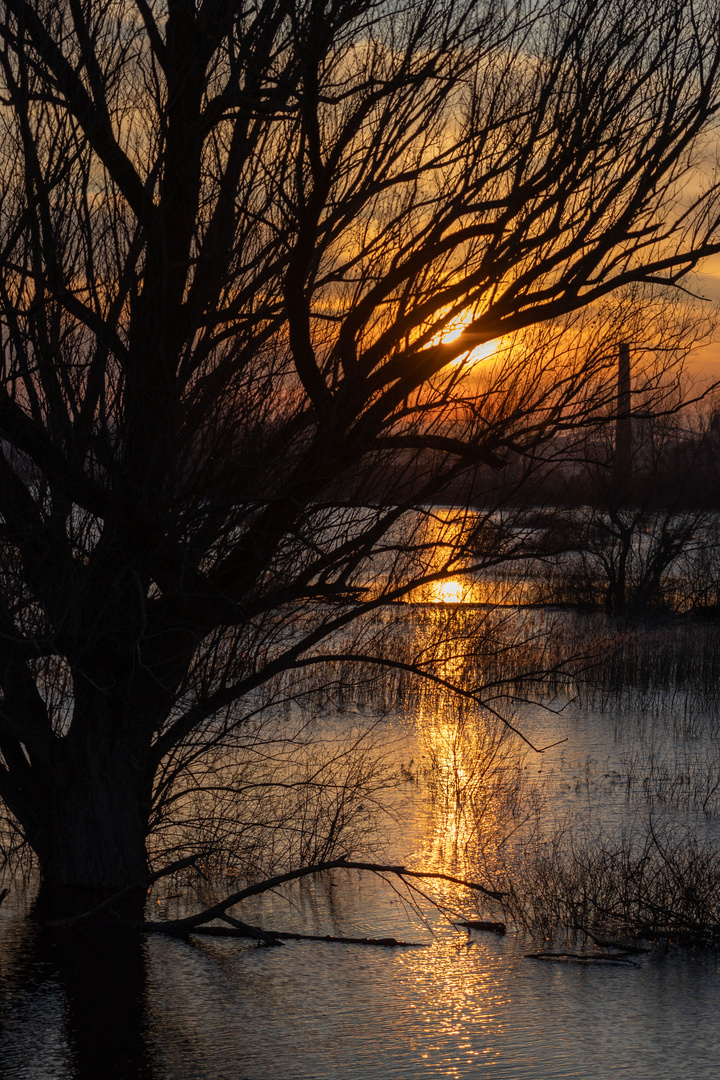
x=449 y=592
x=476 y=788
x=477 y=591
x=447 y=547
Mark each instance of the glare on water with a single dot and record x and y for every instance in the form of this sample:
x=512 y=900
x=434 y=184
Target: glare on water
x=465 y=1005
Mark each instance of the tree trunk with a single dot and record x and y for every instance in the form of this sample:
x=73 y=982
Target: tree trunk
x=95 y=838
x=91 y=837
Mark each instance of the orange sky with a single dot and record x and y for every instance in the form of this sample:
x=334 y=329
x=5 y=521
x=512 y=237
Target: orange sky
x=704 y=363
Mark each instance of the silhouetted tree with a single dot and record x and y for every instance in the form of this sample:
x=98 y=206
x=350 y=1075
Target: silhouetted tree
x=642 y=537
x=235 y=242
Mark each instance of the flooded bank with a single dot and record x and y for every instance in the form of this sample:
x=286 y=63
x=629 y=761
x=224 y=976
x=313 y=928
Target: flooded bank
x=644 y=750
x=464 y=1006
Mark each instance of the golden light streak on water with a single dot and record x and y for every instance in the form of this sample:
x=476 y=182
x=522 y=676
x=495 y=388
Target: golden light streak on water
x=450 y=831
x=474 y=781
x=471 y=590
x=449 y=592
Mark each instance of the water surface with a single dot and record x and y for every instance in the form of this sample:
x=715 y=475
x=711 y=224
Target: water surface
x=95 y=1006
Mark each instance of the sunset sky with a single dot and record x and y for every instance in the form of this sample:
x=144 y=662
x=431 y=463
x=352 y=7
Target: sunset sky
x=705 y=362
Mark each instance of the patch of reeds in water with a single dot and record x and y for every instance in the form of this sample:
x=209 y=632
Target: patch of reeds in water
x=650 y=882
x=658 y=877
x=652 y=656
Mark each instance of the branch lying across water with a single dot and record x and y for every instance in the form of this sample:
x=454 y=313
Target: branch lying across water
x=238 y=928
x=217 y=911
x=482 y=924
x=276 y=937
x=197 y=923
x=628 y=949
x=615 y=960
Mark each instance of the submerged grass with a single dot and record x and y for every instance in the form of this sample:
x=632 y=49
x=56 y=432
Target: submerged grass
x=657 y=874
x=650 y=881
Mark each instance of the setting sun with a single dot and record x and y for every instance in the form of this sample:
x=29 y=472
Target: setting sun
x=475 y=356
x=471 y=356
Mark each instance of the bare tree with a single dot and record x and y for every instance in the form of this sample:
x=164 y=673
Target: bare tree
x=236 y=241
x=637 y=537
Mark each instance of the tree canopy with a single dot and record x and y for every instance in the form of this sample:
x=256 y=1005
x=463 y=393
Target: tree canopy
x=247 y=253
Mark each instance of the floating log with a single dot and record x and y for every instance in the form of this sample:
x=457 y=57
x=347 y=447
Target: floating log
x=276 y=937
x=582 y=958
x=480 y=924
x=624 y=947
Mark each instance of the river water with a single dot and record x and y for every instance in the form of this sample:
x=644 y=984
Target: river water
x=455 y=1008
x=92 y=1006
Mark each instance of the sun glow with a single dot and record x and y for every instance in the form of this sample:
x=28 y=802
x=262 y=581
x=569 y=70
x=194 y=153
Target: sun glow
x=472 y=356
x=475 y=356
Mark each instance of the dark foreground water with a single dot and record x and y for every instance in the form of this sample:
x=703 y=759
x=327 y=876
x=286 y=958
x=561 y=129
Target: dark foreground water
x=166 y=1010
x=89 y=1006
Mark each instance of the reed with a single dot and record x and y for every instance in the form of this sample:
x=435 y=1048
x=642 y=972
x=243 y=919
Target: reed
x=650 y=881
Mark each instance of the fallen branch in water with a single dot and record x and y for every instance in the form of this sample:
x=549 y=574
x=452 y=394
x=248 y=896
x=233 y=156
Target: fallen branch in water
x=603 y=943
x=481 y=924
x=217 y=911
x=583 y=958
x=243 y=929
x=276 y=937
x=197 y=923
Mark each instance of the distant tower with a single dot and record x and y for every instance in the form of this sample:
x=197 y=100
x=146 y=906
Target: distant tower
x=623 y=422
